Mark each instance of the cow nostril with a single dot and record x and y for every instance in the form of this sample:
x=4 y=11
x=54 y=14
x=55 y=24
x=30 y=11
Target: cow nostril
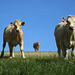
x=71 y=28
x=17 y=30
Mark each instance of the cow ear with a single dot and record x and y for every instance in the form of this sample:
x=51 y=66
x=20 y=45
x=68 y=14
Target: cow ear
x=12 y=23
x=63 y=19
x=22 y=23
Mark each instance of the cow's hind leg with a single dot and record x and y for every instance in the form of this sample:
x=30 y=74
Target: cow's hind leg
x=73 y=52
x=4 y=44
x=13 y=52
x=59 y=52
x=35 y=50
x=58 y=46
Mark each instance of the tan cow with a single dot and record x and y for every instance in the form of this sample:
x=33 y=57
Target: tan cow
x=36 y=46
x=65 y=36
x=13 y=35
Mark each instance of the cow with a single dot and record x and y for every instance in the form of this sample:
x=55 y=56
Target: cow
x=13 y=35
x=36 y=46
x=65 y=36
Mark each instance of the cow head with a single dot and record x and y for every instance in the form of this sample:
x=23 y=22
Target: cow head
x=71 y=22
x=17 y=25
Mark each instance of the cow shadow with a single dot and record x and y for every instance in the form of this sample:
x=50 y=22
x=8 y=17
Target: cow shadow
x=4 y=57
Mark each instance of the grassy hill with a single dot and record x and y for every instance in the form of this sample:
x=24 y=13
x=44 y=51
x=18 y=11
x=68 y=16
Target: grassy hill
x=36 y=63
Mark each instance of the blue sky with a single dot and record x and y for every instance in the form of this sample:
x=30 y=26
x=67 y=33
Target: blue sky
x=41 y=17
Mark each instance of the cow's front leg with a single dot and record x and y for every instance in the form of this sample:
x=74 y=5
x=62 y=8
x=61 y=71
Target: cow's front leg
x=35 y=50
x=11 y=50
x=66 y=54
x=21 y=48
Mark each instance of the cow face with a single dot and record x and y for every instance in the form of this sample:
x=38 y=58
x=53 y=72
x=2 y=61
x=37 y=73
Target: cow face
x=17 y=28
x=17 y=25
x=71 y=21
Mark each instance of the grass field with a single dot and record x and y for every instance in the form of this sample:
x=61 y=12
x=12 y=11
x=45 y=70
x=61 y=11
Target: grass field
x=36 y=63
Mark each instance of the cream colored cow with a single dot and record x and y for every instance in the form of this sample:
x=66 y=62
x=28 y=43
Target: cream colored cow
x=65 y=36
x=13 y=35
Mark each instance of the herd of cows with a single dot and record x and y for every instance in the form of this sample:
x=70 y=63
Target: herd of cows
x=64 y=36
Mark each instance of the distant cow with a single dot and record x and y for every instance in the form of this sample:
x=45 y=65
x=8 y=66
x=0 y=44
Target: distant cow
x=13 y=35
x=36 y=46
x=65 y=36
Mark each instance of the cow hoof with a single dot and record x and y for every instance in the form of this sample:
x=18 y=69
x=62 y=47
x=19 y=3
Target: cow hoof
x=65 y=58
x=1 y=56
x=13 y=56
x=24 y=57
x=72 y=57
x=10 y=57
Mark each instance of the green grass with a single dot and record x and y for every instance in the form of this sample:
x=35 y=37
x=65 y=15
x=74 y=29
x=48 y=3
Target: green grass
x=36 y=63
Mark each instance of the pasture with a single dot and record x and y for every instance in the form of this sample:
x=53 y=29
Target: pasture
x=36 y=63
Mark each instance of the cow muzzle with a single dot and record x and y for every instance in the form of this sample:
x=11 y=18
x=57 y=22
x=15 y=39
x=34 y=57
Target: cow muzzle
x=71 y=28
x=17 y=31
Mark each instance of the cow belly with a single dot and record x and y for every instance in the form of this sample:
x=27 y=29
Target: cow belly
x=14 y=42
